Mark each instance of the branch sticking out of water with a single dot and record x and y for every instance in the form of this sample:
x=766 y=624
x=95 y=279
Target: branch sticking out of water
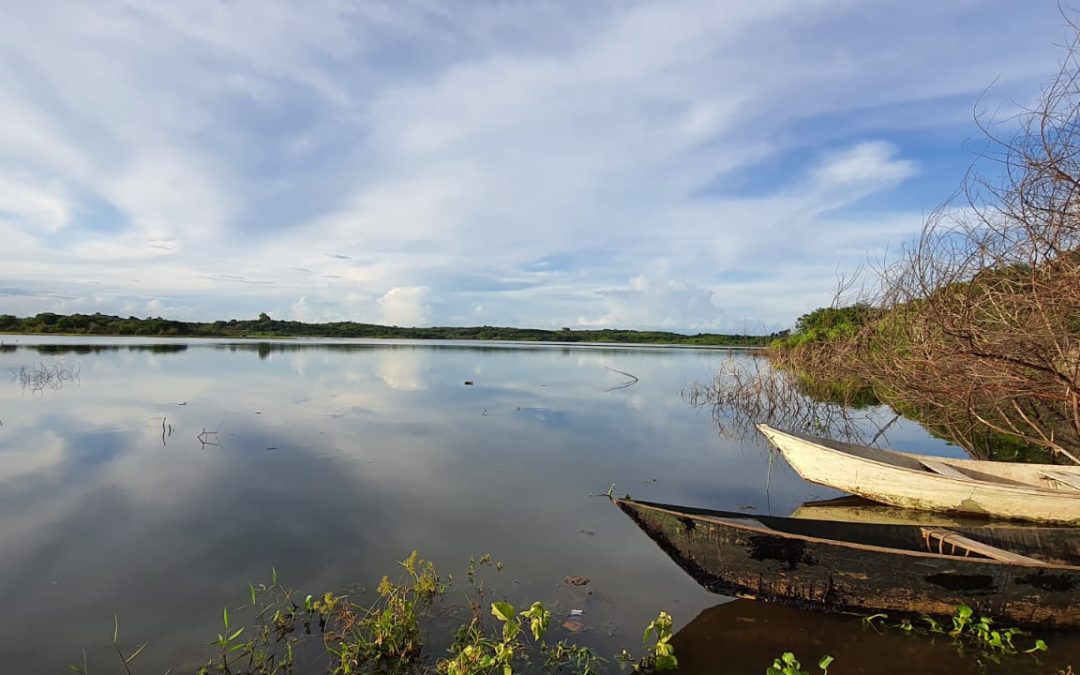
x=41 y=377
x=629 y=383
x=745 y=393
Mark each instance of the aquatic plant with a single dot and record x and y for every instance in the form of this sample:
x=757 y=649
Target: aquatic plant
x=390 y=635
x=971 y=634
x=660 y=656
x=787 y=664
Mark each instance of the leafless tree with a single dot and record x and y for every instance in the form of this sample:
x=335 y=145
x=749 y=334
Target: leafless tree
x=980 y=321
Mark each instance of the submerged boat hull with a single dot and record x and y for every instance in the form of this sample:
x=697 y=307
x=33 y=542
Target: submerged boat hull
x=989 y=489
x=740 y=557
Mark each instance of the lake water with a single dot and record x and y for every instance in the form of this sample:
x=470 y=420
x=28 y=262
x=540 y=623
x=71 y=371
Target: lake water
x=166 y=476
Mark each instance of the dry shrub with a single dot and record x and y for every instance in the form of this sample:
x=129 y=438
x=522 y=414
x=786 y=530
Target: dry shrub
x=979 y=330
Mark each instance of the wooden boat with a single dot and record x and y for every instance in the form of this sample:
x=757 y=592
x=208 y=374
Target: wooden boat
x=1021 y=575
x=1037 y=492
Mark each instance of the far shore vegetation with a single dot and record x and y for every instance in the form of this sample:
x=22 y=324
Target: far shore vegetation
x=266 y=327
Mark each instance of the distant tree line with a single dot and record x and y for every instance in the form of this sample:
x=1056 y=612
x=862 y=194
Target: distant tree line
x=264 y=326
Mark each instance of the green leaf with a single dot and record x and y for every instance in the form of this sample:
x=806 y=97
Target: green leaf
x=1040 y=646
x=666 y=662
x=503 y=611
x=648 y=631
x=825 y=662
x=510 y=629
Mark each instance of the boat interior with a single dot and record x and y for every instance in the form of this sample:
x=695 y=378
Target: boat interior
x=1006 y=542
x=1045 y=478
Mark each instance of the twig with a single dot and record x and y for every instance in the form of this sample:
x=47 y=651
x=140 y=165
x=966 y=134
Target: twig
x=629 y=383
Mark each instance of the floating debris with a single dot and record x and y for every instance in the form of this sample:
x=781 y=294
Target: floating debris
x=576 y=581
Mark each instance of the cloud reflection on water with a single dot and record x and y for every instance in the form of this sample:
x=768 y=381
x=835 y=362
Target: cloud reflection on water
x=333 y=463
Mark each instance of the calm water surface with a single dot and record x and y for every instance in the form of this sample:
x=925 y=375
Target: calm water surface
x=329 y=462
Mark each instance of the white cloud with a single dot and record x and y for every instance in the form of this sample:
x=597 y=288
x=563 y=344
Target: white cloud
x=224 y=159
x=40 y=208
x=873 y=164
x=404 y=306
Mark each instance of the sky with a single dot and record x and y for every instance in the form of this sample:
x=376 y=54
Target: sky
x=681 y=165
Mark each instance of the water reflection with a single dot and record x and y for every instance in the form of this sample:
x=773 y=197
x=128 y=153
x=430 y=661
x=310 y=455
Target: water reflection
x=401 y=369
x=743 y=636
x=336 y=460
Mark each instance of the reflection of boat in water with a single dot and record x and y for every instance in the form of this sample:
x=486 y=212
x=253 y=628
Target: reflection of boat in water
x=853 y=509
x=1038 y=492
x=742 y=636
x=1023 y=575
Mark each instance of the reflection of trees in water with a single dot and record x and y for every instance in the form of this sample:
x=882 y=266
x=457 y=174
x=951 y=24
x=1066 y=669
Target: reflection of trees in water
x=746 y=392
x=266 y=348
x=95 y=349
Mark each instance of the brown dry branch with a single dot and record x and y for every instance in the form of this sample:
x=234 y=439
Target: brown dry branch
x=978 y=333
x=41 y=377
x=745 y=392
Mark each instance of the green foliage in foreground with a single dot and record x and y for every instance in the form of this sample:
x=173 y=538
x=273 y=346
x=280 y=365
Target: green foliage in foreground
x=977 y=636
x=973 y=636
x=390 y=635
x=264 y=326
x=787 y=664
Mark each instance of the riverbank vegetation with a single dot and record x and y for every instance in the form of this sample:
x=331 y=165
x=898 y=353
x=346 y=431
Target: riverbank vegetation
x=410 y=626
x=974 y=330
x=266 y=327
x=402 y=631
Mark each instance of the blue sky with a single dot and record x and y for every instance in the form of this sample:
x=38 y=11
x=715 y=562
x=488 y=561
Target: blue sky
x=683 y=165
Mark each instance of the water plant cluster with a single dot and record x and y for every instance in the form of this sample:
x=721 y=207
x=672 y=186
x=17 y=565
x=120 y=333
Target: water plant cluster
x=283 y=633
x=787 y=664
x=972 y=635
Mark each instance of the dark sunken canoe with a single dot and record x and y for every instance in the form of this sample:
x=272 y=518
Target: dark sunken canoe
x=861 y=568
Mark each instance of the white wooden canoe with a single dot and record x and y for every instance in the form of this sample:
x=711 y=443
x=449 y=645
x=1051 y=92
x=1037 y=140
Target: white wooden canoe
x=1037 y=492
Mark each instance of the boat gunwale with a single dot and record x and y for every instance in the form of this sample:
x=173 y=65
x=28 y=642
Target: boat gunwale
x=761 y=528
